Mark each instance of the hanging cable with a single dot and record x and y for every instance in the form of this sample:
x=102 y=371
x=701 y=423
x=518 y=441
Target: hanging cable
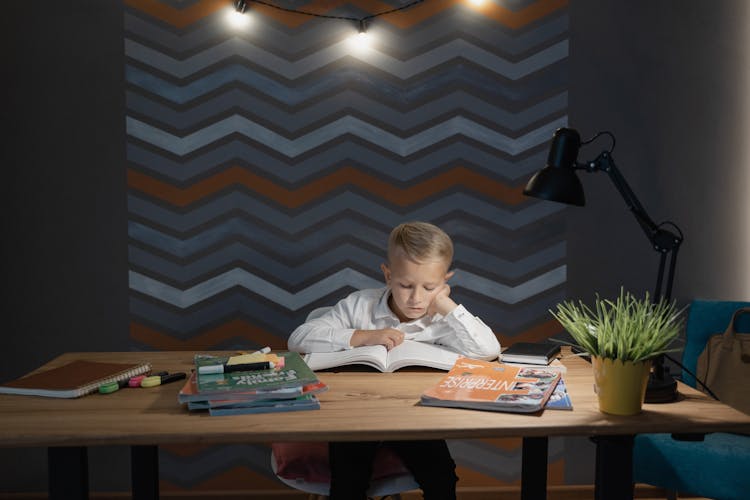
x=241 y=6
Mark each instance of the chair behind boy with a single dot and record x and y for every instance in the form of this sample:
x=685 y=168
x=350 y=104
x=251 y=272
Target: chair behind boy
x=304 y=466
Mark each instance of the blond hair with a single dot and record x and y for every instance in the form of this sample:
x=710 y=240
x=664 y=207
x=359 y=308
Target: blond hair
x=421 y=241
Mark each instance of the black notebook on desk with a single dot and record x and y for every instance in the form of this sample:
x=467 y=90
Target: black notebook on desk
x=533 y=353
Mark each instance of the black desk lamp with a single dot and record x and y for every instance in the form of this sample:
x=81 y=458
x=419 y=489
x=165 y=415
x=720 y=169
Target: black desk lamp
x=558 y=182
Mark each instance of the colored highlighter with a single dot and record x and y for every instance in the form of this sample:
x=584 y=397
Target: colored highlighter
x=155 y=380
x=137 y=380
x=111 y=387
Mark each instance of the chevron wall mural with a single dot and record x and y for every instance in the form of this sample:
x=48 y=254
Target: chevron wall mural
x=267 y=164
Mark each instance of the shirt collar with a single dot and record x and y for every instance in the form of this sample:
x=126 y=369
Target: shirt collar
x=382 y=310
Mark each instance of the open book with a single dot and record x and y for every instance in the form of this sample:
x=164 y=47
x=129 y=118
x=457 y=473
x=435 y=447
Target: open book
x=408 y=353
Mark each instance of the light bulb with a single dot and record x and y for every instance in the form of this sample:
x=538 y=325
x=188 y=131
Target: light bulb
x=361 y=40
x=237 y=19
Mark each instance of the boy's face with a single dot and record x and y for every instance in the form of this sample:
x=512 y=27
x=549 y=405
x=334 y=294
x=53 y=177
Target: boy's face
x=413 y=284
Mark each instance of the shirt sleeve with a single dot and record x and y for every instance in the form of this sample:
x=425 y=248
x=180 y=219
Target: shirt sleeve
x=467 y=334
x=328 y=333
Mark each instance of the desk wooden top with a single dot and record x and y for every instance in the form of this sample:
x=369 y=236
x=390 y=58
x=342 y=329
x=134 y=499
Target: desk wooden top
x=358 y=405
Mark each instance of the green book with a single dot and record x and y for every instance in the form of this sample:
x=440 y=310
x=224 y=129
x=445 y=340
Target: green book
x=295 y=372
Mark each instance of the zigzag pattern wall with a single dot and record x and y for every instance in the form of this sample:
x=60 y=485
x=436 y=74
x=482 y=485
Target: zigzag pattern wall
x=266 y=165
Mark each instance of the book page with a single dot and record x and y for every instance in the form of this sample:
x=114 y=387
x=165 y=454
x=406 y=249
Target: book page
x=370 y=355
x=411 y=352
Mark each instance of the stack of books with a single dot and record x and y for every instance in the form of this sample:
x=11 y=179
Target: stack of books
x=268 y=383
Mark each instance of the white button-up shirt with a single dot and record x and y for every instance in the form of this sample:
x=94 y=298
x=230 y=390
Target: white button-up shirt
x=368 y=310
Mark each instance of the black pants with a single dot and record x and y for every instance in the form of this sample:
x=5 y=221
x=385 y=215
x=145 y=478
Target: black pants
x=430 y=463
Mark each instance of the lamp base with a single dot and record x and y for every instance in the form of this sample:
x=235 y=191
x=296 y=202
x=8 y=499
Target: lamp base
x=661 y=390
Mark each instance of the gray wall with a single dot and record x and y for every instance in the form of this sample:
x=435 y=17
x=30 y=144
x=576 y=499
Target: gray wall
x=669 y=79
x=64 y=215
x=64 y=222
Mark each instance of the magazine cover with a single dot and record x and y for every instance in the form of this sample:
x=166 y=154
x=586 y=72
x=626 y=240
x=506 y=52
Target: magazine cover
x=486 y=385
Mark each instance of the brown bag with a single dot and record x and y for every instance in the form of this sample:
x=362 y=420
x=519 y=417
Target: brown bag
x=724 y=365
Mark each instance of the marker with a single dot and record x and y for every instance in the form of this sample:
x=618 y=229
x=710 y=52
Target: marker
x=155 y=380
x=265 y=350
x=136 y=381
x=241 y=367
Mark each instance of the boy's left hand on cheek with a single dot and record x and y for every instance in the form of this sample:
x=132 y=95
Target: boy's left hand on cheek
x=442 y=303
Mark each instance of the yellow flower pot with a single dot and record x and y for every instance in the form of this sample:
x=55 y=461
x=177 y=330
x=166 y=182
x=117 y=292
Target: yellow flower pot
x=620 y=385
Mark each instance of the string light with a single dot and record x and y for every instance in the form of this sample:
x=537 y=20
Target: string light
x=242 y=5
x=236 y=18
x=360 y=41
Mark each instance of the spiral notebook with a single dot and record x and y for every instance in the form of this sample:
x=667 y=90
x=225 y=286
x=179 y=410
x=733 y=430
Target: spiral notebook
x=74 y=379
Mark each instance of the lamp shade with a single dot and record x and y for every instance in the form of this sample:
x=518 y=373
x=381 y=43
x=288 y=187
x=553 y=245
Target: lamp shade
x=558 y=180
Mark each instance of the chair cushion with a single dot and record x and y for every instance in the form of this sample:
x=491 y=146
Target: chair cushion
x=714 y=468
x=309 y=462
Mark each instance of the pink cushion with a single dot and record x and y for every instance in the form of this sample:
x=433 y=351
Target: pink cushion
x=309 y=462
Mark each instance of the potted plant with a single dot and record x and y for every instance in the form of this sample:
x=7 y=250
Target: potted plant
x=622 y=337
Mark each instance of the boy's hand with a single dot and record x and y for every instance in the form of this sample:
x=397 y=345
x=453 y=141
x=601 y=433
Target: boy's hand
x=388 y=337
x=442 y=304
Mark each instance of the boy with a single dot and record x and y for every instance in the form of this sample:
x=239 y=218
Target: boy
x=415 y=305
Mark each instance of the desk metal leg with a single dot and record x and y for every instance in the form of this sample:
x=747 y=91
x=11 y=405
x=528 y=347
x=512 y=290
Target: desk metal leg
x=144 y=470
x=534 y=468
x=68 y=473
x=614 y=467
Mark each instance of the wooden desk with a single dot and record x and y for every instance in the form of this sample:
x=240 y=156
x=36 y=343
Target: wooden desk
x=373 y=406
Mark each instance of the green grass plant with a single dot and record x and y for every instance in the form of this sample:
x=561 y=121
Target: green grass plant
x=628 y=328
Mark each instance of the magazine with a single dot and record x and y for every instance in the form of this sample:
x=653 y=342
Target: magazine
x=560 y=399
x=485 y=385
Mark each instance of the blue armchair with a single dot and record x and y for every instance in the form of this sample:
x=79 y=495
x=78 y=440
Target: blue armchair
x=718 y=466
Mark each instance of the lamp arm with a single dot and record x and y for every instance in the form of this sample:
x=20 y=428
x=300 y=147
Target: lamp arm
x=662 y=240
x=606 y=163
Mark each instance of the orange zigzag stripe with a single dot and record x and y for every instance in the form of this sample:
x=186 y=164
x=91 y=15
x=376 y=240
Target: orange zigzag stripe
x=234 y=329
x=346 y=176
x=179 y=17
x=256 y=336
x=530 y=14
x=515 y=20
x=420 y=12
